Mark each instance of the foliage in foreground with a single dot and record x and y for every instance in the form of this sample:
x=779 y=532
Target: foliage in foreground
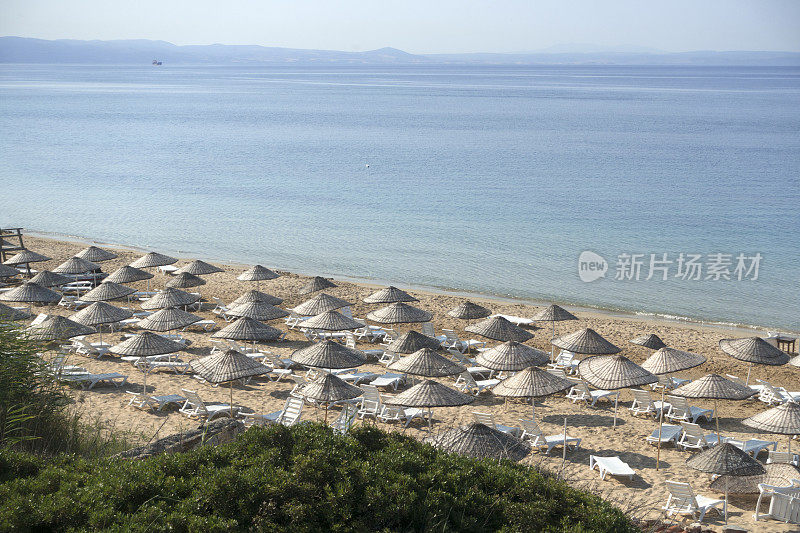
x=299 y=479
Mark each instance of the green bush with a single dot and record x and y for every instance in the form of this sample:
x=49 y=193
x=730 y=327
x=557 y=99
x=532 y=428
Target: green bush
x=299 y=479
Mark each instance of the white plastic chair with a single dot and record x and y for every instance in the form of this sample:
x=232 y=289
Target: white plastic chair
x=611 y=465
x=683 y=500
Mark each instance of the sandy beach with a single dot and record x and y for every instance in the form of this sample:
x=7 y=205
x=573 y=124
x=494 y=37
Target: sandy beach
x=642 y=497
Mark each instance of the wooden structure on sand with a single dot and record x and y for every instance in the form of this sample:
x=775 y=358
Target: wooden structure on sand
x=10 y=243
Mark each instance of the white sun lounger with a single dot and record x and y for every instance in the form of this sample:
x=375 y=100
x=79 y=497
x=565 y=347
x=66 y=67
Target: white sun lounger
x=371 y=404
x=680 y=410
x=643 y=404
x=357 y=378
x=695 y=438
x=288 y=416
x=683 y=500
x=195 y=407
x=88 y=381
x=784 y=508
x=467 y=383
x=158 y=403
x=533 y=433
x=388 y=380
x=580 y=392
x=753 y=447
x=395 y=412
x=669 y=433
x=610 y=465
x=767 y=491
x=783 y=457
x=487 y=419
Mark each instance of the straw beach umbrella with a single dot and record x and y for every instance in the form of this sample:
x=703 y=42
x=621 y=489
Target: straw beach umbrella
x=45 y=278
x=513 y=356
x=651 y=341
x=776 y=474
x=587 y=342
x=430 y=394
x=108 y=290
x=531 y=383
x=614 y=372
x=754 y=350
x=76 y=265
x=330 y=321
x=481 y=442
x=100 y=313
x=170 y=298
x=427 y=363
x=153 y=260
x=184 y=280
x=317 y=283
x=499 y=329
x=8 y=271
x=128 y=274
x=258 y=311
x=725 y=460
x=55 y=328
x=143 y=345
x=553 y=313
x=329 y=388
x=781 y=420
x=258 y=274
x=399 y=313
x=319 y=304
x=248 y=329
x=31 y=293
x=95 y=254
x=256 y=296
x=26 y=257
x=389 y=295
x=411 y=341
x=469 y=311
x=665 y=361
x=328 y=354
x=168 y=319
x=227 y=366
x=10 y=314
x=714 y=387
x=199 y=268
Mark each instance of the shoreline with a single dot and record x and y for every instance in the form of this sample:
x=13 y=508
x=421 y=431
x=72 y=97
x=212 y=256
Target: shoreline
x=592 y=311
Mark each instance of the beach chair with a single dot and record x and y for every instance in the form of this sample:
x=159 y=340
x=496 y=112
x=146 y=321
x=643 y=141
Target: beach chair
x=693 y=437
x=387 y=358
x=59 y=367
x=206 y=325
x=221 y=309
x=558 y=372
x=643 y=404
x=345 y=420
x=369 y=333
x=299 y=383
x=178 y=367
x=532 y=432
x=350 y=342
x=580 y=392
x=740 y=381
x=157 y=403
x=451 y=341
x=771 y=394
x=683 y=500
x=389 y=336
x=784 y=508
x=667 y=382
x=477 y=371
x=388 y=380
x=753 y=447
x=41 y=317
x=565 y=361
x=88 y=381
x=195 y=407
x=467 y=383
x=391 y=413
x=356 y=378
x=669 y=433
x=611 y=465
x=288 y=416
x=680 y=410
x=487 y=419
x=768 y=491
x=371 y=404
x=89 y=349
x=783 y=457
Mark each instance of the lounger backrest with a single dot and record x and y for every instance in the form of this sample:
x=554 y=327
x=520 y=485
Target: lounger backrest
x=371 y=398
x=665 y=381
x=350 y=340
x=680 y=406
x=530 y=428
x=781 y=457
x=345 y=419
x=194 y=400
x=346 y=311
x=557 y=372
x=427 y=329
x=735 y=379
x=41 y=317
x=487 y=419
x=468 y=379
x=785 y=508
x=581 y=387
x=694 y=432
x=292 y=411
x=681 y=495
x=643 y=398
x=450 y=335
x=565 y=357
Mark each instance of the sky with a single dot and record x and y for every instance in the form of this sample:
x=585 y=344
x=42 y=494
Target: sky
x=429 y=26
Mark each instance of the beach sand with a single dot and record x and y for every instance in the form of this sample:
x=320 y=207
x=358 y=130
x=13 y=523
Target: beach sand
x=641 y=498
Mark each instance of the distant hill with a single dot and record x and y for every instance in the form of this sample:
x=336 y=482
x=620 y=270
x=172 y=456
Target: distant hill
x=142 y=52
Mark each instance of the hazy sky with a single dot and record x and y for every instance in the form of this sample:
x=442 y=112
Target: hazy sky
x=418 y=26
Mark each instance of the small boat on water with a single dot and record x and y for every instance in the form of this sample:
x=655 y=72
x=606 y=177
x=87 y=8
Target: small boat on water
x=156 y=63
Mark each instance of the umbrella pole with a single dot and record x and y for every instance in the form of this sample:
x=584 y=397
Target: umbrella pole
x=231 y=398
x=564 y=451
x=616 y=403
x=716 y=418
x=552 y=348
x=430 y=420
x=326 y=413
x=660 y=424
x=727 y=480
x=749 y=367
x=533 y=409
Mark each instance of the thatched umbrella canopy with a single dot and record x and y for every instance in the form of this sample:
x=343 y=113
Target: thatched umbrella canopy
x=152 y=260
x=585 y=341
x=227 y=366
x=317 y=283
x=777 y=475
x=199 y=268
x=481 y=442
x=499 y=329
x=184 y=280
x=412 y=341
x=144 y=345
x=95 y=254
x=512 y=355
x=319 y=304
x=256 y=296
x=430 y=394
x=248 y=329
x=330 y=355
x=31 y=293
x=650 y=340
x=258 y=311
x=45 y=278
x=782 y=420
x=389 y=295
x=330 y=321
x=714 y=387
x=399 y=313
x=170 y=298
x=531 y=383
x=55 y=328
x=7 y=271
x=329 y=388
x=257 y=273
x=553 y=313
x=26 y=257
x=754 y=350
x=10 y=314
x=725 y=460
x=76 y=265
x=614 y=372
x=427 y=363
x=100 y=313
x=469 y=311
x=168 y=319
x=128 y=274
x=108 y=290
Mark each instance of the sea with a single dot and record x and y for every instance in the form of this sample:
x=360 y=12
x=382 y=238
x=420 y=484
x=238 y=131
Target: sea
x=664 y=191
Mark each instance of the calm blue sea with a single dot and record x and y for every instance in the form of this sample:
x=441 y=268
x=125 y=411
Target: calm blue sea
x=482 y=179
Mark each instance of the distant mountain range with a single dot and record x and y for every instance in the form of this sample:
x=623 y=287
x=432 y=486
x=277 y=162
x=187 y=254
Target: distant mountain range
x=142 y=52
